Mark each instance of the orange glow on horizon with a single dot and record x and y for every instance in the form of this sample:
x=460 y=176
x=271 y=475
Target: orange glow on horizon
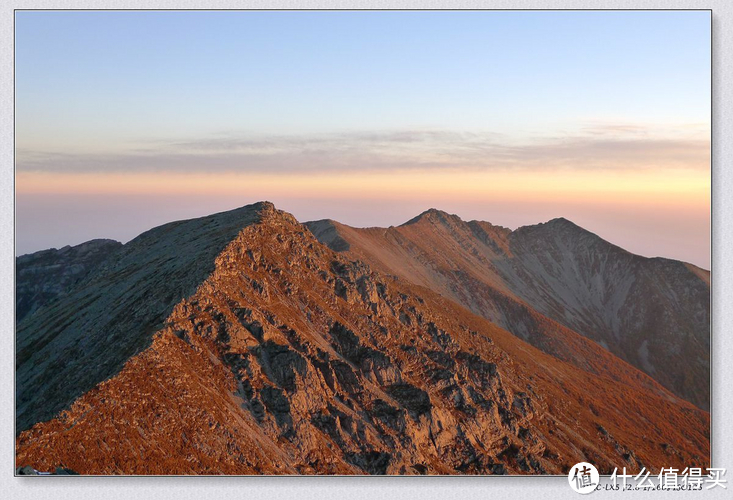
x=681 y=187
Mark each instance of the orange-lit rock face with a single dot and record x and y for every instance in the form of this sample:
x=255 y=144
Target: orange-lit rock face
x=539 y=282
x=291 y=358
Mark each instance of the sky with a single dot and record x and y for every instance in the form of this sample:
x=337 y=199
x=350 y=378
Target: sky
x=126 y=120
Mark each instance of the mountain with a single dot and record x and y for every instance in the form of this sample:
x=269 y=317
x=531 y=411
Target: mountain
x=653 y=313
x=41 y=277
x=85 y=336
x=272 y=353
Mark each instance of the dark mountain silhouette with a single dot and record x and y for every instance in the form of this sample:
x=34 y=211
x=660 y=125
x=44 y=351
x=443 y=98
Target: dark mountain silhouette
x=43 y=276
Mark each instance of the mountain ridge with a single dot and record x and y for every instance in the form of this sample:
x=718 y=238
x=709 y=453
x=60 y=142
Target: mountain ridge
x=122 y=304
x=563 y=272
x=289 y=357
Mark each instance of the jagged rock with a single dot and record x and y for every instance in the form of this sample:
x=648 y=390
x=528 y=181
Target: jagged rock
x=414 y=399
x=371 y=462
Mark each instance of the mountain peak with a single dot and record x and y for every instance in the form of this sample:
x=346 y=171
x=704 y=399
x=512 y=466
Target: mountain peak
x=146 y=277
x=433 y=214
x=266 y=211
x=264 y=205
x=557 y=224
x=562 y=222
x=259 y=210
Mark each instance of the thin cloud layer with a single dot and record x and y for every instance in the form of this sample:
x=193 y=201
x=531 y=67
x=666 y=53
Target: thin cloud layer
x=620 y=147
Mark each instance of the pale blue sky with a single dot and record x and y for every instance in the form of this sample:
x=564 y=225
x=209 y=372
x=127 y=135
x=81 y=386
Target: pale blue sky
x=105 y=80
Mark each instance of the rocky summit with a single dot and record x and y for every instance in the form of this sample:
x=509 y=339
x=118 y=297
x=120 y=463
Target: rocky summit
x=241 y=344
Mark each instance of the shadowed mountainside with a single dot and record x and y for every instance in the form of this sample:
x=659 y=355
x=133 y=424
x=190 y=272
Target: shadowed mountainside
x=43 y=276
x=287 y=357
x=653 y=313
x=84 y=337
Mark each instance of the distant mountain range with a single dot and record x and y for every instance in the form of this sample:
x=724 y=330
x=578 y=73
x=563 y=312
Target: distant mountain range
x=43 y=276
x=248 y=343
x=653 y=313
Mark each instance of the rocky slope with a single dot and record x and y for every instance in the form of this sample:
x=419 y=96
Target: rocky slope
x=43 y=276
x=290 y=358
x=85 y=336
x=653 y=313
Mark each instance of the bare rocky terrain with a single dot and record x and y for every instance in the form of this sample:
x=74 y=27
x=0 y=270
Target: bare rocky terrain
x=651 y=312
x=240 y=344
